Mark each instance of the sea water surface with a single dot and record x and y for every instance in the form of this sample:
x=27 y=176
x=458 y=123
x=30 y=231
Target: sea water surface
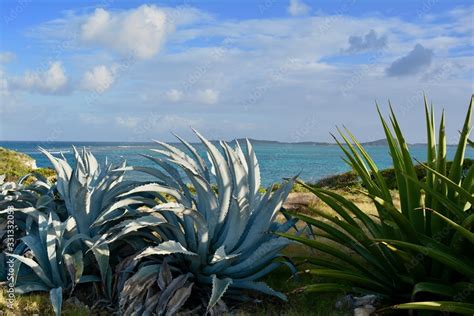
x=277 y=160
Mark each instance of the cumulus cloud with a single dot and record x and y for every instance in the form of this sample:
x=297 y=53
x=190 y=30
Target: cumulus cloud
x=51 y=81
x=174 y=95
x=6 y=57
x=297 y=7
x=370 y=41
x=100 y=78
x=139 y=32
x=207 y=96
x=414 y=62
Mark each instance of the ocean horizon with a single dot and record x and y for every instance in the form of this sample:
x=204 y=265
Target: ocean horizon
x=312 y=161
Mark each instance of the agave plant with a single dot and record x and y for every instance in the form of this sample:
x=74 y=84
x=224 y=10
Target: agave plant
x=50 y=258
x=37 y=194
x=15 y=196
x=82 y=194
x=221 y=237
x=164 y=294
x=422 y=249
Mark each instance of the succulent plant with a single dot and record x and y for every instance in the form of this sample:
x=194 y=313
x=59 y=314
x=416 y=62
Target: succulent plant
x=50 y=258
x=222 y=237
x=81 y=194
x=153 y=290
x=419 y=252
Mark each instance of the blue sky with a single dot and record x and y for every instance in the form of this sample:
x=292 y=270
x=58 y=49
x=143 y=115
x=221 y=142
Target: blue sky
x=267 y=69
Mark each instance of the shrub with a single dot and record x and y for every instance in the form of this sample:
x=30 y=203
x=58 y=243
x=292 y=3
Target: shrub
x=420 y=254
x=339 y=181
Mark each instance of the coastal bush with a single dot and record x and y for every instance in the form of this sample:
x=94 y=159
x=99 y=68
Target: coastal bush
x=350 y=179
x=419 y=255
x=15 y=165
x=216 y=242
x=338 y=181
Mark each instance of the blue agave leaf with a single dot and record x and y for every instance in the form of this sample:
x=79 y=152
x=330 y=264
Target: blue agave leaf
x=51 y=238
x=166 y=248
x=266 y=216
x=260 y=287
x=254 y=260
x=254 y=173
x=224 y=182
x=38 y=251
x=56 y=297
x=31 y=287
x=37 y=269
x=219 y=287
x=201 y=163
x=101 y=253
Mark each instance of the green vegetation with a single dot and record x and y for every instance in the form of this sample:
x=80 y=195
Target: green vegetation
x=15 y=165
x=350 y=179
x=89 y=236
x=60 y=222
x=419 y=253
x=91 y=223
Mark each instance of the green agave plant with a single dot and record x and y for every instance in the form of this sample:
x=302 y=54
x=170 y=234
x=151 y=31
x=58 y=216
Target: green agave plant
x=422 y=249
x=221 y=237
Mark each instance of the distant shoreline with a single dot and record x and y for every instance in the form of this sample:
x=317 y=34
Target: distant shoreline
x=379 y=142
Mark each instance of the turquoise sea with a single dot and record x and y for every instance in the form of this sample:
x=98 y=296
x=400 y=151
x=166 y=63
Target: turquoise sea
x=277 y=160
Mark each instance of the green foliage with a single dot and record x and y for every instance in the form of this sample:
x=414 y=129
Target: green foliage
x=351 y=179
x=339 y=181
x=14 y=164
x=421 y=250
x=391 y=179
x=220 y=237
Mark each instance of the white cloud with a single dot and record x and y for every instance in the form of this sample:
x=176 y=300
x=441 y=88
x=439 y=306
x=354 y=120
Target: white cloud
x=297 y=7
x=207 y=96
x=174 y=95
x=6 y=57
x=99 y=79
x=280 y=70
x=139 y=32
x=52 y=80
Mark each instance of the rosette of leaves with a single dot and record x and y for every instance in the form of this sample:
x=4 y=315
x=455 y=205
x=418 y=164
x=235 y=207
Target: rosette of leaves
x=50 y=258
x=222 y=237
x=14 y=196
x=153 y=290
x=84 y=191
x=417 y=254
x=17 y=195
